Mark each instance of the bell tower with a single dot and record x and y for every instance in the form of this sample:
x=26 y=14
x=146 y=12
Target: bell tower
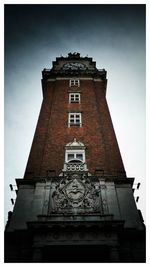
x=75 y=200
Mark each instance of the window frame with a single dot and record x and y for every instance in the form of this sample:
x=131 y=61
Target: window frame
x=74 y=97
x=73 y=117
x=75 y=152
x=74 y=83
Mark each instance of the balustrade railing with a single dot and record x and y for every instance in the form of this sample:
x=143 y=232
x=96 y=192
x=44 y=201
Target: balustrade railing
x=75 y=167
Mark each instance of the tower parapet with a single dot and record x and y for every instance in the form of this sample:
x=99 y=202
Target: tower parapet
x=75 y=65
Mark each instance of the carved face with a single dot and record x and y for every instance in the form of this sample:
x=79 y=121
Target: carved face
x=75 y=190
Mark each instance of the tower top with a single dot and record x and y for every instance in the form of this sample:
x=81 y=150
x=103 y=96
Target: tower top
x=74 y=64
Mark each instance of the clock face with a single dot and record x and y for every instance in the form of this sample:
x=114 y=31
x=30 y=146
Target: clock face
x=74 y=66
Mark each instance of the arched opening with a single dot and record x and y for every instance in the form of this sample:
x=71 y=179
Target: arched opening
x=75 y=156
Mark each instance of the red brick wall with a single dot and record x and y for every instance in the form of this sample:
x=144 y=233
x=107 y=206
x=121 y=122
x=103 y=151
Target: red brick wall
x=52 y=132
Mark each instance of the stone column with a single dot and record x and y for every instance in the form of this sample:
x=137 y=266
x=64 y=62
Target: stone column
x=103 y=196
x=46 y=205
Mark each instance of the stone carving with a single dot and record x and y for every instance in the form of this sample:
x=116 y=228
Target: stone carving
x=75 y=194
x=75 y=167
x=74 y=55
x=75 y=191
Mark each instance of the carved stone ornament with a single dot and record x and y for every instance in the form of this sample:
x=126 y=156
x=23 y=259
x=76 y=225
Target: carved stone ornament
x=75 y=194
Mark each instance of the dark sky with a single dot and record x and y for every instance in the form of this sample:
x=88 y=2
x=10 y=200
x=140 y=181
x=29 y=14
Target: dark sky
x=114 y=35
x=31 y=30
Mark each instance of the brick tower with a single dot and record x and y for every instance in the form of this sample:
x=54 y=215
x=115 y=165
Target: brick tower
x=75 y=203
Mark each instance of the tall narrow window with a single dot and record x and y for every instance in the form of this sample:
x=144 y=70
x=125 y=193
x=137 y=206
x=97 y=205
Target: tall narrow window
x=74 y=98
x=74 y=82
x=74 y=119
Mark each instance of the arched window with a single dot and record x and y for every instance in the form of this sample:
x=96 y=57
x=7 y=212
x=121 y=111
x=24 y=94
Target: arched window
x=75 y=156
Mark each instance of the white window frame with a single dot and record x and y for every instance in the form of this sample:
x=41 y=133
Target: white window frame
x=74 y=83
x=75 y=152
x=74 y=97
x=75 y=163
x=73 y=117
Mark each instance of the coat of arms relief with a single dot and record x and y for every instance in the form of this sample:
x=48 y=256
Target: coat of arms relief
x=75 y=193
